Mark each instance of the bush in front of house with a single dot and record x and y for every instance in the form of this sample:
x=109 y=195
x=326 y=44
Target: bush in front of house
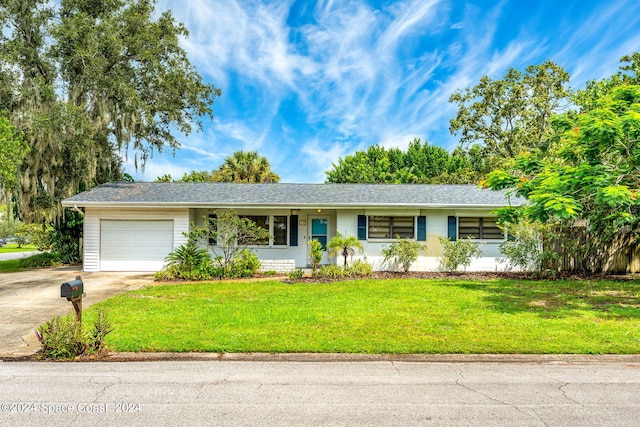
x=456 y=253
x=296 y=274
x=402 y=253
x=189 y=262
x=245 y=264
x=359 y=268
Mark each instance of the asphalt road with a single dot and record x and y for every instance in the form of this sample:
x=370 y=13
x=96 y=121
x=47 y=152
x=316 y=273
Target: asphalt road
x=351 y=394
x=16 y=255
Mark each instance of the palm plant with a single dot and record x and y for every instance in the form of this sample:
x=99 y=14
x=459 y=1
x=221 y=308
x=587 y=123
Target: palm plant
x=344 y=245
x=246 y=167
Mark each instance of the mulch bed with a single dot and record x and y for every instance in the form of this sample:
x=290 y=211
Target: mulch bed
x=473 y=275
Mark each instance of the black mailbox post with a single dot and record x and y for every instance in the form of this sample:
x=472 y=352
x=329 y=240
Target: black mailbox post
x=73 y=291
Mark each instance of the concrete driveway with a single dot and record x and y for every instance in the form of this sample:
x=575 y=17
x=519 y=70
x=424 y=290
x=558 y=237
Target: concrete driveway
x=29 y=298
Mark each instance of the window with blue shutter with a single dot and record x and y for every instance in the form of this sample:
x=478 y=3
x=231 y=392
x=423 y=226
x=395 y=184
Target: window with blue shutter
x=293 y=231
x=362 y=227
x=422 y=228
x=452 y=229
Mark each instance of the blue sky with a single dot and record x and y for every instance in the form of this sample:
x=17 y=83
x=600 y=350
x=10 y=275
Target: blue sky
x=305 y=83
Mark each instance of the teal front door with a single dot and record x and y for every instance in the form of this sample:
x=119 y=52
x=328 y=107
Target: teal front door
x=319 y=230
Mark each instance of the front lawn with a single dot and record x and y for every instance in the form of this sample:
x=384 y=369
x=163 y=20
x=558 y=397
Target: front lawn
x=379 y=316
x=13 y=247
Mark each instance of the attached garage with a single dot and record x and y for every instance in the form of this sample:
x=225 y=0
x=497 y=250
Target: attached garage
x=129 y=245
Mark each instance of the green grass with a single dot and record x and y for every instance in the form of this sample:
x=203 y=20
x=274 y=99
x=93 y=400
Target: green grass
x=11 y=266
x=40 y=260
x=379 y=316
x=13 y=247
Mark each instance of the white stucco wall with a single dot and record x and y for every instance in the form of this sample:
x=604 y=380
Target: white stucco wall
x=436 y=227
x=345 y=221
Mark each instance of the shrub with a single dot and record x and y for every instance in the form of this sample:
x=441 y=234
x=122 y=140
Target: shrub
x=458 y=252
x=315 y=254
x=525 y=250
x=245 y=264
x=101 y=328
x=186 y=257
x=359 y=268
x=295 y=274
x=44 y=259
x=62 y=338
x=331 y=272
x=402 y=253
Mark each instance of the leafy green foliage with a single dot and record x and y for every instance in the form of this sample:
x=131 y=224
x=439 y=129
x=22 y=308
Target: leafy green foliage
x=245 y=167
x=525 y=247
x=63 y=338
x=12 y=151
x=245 y=264
x=402 y=253
x=85 y=80
x=511 y=114
x=45 y=259
x=359 y=268
x=460 y=252
x=231 y=258
x=592 y=178
x=296 y=274
x=331 y=271
x=420 y=164
x=315 y=254
x=37 y=234
x=344 y=245
x=187 y=256
x=65 y=238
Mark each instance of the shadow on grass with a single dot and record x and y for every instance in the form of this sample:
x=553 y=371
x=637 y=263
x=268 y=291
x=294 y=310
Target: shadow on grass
x=553 y=299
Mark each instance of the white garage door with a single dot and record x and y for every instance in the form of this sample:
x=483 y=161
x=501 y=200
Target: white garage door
x=134 y=245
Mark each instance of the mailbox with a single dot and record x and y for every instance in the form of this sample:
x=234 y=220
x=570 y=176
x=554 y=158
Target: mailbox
x=72 y=289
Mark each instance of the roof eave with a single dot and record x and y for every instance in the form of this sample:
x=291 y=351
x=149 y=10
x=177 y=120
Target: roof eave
x=208 y=205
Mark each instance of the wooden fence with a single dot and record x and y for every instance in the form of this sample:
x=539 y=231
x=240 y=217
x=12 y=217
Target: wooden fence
x=575 y=250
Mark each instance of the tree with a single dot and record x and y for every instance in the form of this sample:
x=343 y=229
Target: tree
x=592 y=178
x=512 y=114
x=245 y=167
x=344 y=245
x=12 y=151
x=422 y=163
x=193 y=176
x=228 y=235
x=85 y=80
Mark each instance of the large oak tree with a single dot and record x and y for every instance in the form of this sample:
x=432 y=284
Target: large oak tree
x=85 y=80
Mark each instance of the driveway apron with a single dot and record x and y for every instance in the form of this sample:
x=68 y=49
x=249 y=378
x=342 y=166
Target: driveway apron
x=30 y=298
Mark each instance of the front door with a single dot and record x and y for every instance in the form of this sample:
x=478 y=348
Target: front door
x=319 y=230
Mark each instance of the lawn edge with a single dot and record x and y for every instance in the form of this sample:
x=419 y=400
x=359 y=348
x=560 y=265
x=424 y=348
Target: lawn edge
x=546 y=359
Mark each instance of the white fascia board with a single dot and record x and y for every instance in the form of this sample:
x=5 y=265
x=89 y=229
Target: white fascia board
x=182 y=205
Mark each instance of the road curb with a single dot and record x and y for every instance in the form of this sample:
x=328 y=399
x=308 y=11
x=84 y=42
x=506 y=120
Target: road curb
x=356 y=357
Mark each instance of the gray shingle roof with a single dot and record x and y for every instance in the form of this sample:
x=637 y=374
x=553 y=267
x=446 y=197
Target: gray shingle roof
x=185 y=194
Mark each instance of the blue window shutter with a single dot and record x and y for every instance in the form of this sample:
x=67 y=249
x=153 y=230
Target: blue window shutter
x=362 y=227
x=422 y=228
x=452 y=230
x=293 y=231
